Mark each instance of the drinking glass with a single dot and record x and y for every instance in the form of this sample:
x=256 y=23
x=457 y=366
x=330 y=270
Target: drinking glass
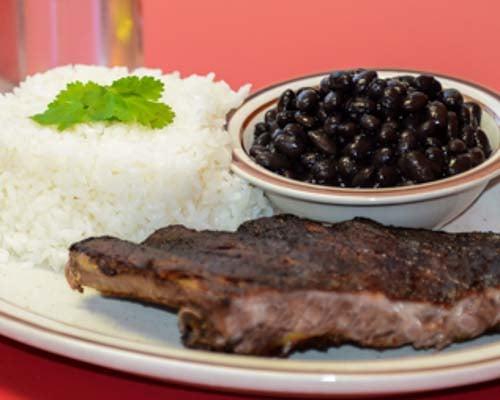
x=36 y=35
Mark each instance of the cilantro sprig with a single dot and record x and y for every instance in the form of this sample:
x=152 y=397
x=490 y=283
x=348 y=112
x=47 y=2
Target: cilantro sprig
x=129 y=100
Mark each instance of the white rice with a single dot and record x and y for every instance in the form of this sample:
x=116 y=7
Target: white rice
x=126 y=181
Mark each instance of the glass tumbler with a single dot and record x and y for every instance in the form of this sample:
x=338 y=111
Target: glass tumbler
x=37 y=35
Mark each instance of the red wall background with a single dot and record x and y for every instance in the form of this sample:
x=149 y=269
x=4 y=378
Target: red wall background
x=262 y=41
x=8 y=41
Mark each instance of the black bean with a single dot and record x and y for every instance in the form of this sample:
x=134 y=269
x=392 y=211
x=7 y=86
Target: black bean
x=307 y=100
x=311 y=158
x=362 y=80
x=330 y=127
x=472 y=114
x=255 y=149
x=437 y=111
x=468 y=136
x=435 y=154
x=376 y=88
x=415 y=102
x=438 y=169
x=398 y=86
x=452 y=127
x=392 y=94
x=333 y=101
x=427 y=84
x=482 y=141
x=331 y=124
x=452 y=99
x=260 y=127
x=417 y=167
x=460 y=163
x=394 y=82
x=263 y=139
x=386 y=110
x=457 y=146
x=287 y=100
x=272 y=125
x=324 y=171
x=272 y=161
x=284 y=117
x=306 y=120
x=423 y=82
x=477 y=156
x=432 y=142
x=295 y=129
x=447 y=155
x=276 y=133
x=321 y=114
x=289 y=145
x=287 y=173
x=412 y=121
x=336 y=118
x=324 y=85
x=370 y=122
x=322 y=141
x=409 y=79
x=359 y=106
x=270 y=115
x=389 y=106
x=394 y=118
x=383 y=156
x=347 y=130
x=359 y=148
x=364 y=178
x=407 y=141
x=347 y=167
x=464 y=116
x=340 y=80
x=386 y=176
x=388 y=133
x=435 y=88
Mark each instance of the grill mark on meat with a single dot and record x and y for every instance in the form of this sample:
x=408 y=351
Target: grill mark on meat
x=282 y=283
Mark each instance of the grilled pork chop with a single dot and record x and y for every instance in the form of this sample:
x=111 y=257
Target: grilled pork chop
x=282 y=283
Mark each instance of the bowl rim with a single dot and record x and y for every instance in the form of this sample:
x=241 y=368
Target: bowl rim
x=244 y=166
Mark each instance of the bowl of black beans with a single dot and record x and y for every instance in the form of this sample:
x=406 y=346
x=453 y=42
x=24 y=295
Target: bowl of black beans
x=401 y=147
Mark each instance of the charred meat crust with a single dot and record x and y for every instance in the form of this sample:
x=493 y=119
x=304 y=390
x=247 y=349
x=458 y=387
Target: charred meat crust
x=287 y=253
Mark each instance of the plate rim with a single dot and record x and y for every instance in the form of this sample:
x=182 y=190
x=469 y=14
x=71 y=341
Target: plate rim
x=471 y=357
x=214 y=376
x=31 y=330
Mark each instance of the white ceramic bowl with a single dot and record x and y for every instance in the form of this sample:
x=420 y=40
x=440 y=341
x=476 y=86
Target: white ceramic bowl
x=429 y=205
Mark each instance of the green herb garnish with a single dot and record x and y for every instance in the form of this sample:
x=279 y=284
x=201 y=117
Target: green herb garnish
x=128 y=100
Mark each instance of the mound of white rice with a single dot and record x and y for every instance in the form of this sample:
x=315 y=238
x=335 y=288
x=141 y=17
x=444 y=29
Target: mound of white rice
x=126 y=181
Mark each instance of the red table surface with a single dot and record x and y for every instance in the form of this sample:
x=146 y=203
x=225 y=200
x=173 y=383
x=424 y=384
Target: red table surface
x=263 y=41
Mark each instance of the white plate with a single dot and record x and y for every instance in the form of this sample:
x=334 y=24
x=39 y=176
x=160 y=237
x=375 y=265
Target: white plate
x=38 y=308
